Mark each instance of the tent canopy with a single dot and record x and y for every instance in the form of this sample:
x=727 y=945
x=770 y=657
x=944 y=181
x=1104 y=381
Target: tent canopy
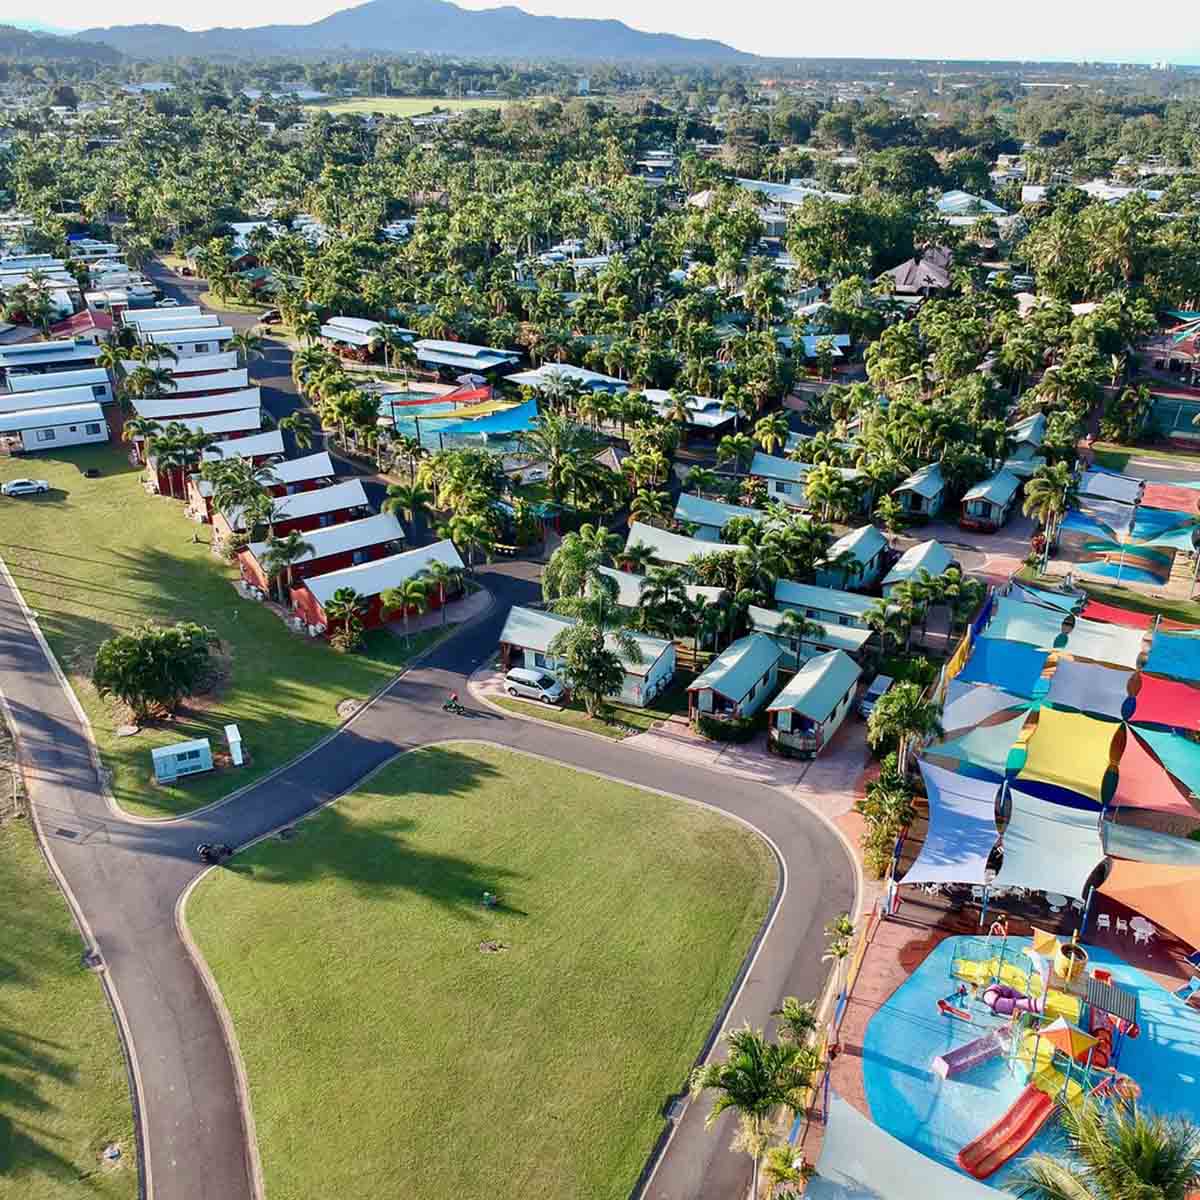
x=1013 y=666
x=1142 y=782
x=1167 y=702
x=1020 y=621
x=1175 y=654
x=1090 y=688
x=1170 y=496
x=1110 y=485
x=1044 y=596
x=857 y=1157
x=1069 y=750
x=962 y=828
x=1164 y=895
x=1113 y=644
x=1048 y=847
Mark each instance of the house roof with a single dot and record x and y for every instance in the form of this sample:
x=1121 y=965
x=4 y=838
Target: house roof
x=699 y=511
x=738 y=667
x=581 y=375
x=928 y=269
x=173 y=408
x=171 y=337
x=807 y=595
x=54 y=398
x=961 y=203
x=369 y=579
x=705 y=412
x=771 y=467
x=343 y=538
x=137 y=317
x=463 y=354
x=864 y=543
x=999 y=489
x=818 y=687
x=196 y=364
x=927 y=482
x=850 y=638
x=166 y=319
x=50 y=380
x=532 y=629
x=34 y=353
x=347 y=494
x=83 y=322
x=211 y=381
x=309 y=466
x=46 y=418
x=672 y=547
x=259 y=445
x=1029 y=431
x=929 y=556
x=223 y=422
x=630 y=586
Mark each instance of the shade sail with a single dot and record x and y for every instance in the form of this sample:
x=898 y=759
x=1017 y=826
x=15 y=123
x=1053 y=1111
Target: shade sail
x=1093 y=610
x=1176 y=655
x=857 y=1157
x=962 y=828
x=986 y=747
x=1090 y=688
x=1020 y=621
x=1105 y=643
x=1168 y=496
x=1043 y=596
x=1142 y=782
x=1167 y=702
x=1111 y=486
x=1147 y=846
x=1069 y=750
x=1165 y=895
x=1048 y=847
x=970 y=704
x=1178 y=754
x=1012 y=666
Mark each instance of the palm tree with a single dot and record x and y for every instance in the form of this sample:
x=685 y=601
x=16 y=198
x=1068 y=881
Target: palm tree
x=887 y=620
x=472 y=533
x=247 y=344
x=1049 y=494
x=637 y=558
x=140 y=431
x=755 y=1079
x=890 y=513
x=797 y=1020
x=443 y=577
x=1117 y=1152
x=410 y=502
x=300 y=426
x=772 y=431
x=837 y=951
x=648 y=506
x=578 y=559
x=701 y=480
x=794 y=625
x=737 y=448
x=307 y=327
x=345 y=608
x=280 y=556
x=903 y=715
x=411 y=594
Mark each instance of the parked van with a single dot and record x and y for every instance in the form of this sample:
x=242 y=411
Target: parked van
x=879 y=687
x=533 y=685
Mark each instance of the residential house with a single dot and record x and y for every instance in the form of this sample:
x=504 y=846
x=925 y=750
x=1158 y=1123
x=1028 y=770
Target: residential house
x=370 y=580
x=160 y=320
x=189 y=343
x=827 y=605
x=987 y=505
x=332 y=549
x=672 y=547
x=60 y=397
x=851 y=639
x=930 y=556
x=182 y=313
x=165 y=409
x=53 y=427
x=302 y=511
x=785 y=479
x=1027 y=437
x=706 y=414
x=90 y=325
x=356 y=337
x=457 y=357
x=855 y=560
x=738 y=681
x=39 y=357
x=259 y=447
x=711 y=516
x=630 y=586
x=211 y=383
x=811 y=707
x=95 y=378
x=293 y=475
x=552 y=373
x=927 y=271
x=195 y=366
x=923 y=493
x=525 y=642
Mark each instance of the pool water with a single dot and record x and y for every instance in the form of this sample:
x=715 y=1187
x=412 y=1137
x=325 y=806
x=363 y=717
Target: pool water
x=939 y=1117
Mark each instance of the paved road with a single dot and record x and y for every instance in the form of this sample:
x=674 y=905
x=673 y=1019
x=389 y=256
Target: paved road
x=126 y=878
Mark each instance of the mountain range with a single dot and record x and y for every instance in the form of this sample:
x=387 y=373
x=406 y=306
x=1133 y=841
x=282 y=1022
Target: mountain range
x=421 y=26
x=18 y=42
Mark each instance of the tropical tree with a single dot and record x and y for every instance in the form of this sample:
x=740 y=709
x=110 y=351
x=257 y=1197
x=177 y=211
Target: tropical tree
x=796 y=627
x=701 y=480
x=344 y=611
x=797 y=1020
x=637 y=557
x=557 y=441
x=443 y=577
x=900 y=716
x=890 y=513
x=649 y=507
x=594 y=670
x=411 y=595
x=140 y=432
x=1049 y=494
x=738 y=449
x=152 y=668
x=1116 y=1152
x=471 y=532
x=247 y=344
x=772 y=431
x=300 y=425
x=888 y=620
x=577 y=561
x=307 y=327
x=281 y=554
x=410 y=502
x=754 y=1080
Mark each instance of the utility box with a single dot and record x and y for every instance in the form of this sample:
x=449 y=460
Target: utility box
x=183 y=758
x=233 y=736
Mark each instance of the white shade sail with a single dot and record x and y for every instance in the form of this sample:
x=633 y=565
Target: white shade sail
x=1049 y=847
x=962 y=828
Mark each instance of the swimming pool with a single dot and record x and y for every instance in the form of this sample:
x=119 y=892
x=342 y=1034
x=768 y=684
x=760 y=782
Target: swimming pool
x=938 y=1117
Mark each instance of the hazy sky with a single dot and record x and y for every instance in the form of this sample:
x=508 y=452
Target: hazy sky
x=1018 y=29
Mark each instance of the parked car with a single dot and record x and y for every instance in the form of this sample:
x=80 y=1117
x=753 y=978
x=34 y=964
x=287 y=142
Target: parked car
x=271 y=317
x=25 y=487
x=167 y=302
x=533 y=685
x=879 y=687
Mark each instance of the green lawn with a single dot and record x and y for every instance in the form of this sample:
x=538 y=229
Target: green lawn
x=616 y=721
x=1115 y=457
x=96 y=556
x=209 y=300
x=405 y=106
x=63 y=1090
x=388 y=1054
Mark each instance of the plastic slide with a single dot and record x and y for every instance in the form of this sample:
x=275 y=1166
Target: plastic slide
x=1008 y=1136
x=972 y=1054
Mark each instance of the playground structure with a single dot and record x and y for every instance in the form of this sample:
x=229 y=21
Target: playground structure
x=1061 y=1063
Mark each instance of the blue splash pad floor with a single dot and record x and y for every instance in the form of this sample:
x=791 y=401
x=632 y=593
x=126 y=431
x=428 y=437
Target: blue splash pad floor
x=938 y=1117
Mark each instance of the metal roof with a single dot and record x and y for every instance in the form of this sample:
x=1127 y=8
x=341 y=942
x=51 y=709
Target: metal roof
x=51 y=380
x=630 y=587
x=258 y=445
x=864 y=543
x=699 y=511
x=369 y=579
x=738 y=667
x=213 y=381
x=174 y=408
x=47 y=418
x=673 y=547
x=999 y=489
x=341 y=539
x=347 y=494
x=818 y=687
x=929 y=556
x=807 y=595
x=171 y=337
x=532 y=629
x=54 y=398
x=309 y=466
x=224 y=422
x=850 y=638
x=926 y=482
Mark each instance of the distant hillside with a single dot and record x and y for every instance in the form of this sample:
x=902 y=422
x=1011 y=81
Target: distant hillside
x=423 y=26
x=26 y=43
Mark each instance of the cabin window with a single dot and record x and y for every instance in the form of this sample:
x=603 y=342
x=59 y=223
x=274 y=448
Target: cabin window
x=326 y=520
x=92 y=427
x=99 y=390
x=45 y=435
x=201 y=347
x=360 y=556
x=783 y=488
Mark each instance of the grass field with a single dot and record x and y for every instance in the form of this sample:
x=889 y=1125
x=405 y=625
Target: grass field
x=63 y=1090
x=1116 y=457
x=405 y=106
x=389 y=1054
x=96 y=556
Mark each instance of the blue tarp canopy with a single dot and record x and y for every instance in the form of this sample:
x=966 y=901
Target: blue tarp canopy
x=515 y=420
x=1176 y=655
x=1011 y=666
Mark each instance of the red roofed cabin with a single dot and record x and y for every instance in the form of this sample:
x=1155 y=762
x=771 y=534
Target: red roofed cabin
x=370 y=580
x=339 y=546
x=91 y=326
x=294 y=475
x=299 y=513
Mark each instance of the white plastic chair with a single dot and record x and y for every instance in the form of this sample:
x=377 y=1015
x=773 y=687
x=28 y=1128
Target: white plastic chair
x=1122 y=925
x=1103 y=922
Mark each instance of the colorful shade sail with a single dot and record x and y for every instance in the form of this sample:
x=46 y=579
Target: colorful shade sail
x=1166 y=702
x=1020 y=621
x=1049 y=848
x=1012 y=666
x=1176 y=655
x=1171 y=497
x=1091 y=688
x=1179 y=755
x=970 y=704
x=986 y=747
x=1143 y=782
x=1165 y=895
x=1105 y=643
x=962 y=828
x=1070 y=751
x=1148 y=846
x=1093 y=610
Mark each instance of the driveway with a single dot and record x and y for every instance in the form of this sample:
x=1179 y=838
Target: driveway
x=125 y=879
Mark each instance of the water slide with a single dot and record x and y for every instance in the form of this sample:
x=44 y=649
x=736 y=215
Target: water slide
x=1009 y=1135
x=972 y=1054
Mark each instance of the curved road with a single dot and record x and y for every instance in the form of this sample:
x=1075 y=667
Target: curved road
x=126 y=877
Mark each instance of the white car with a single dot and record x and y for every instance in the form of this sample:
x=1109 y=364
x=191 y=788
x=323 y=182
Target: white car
x=167 y=302
x=533 y=685
x=25 y=487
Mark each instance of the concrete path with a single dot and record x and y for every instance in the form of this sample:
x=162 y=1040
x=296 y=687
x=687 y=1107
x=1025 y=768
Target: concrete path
x=125 y=879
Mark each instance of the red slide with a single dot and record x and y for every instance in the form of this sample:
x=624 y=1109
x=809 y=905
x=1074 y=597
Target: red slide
x=995 y=1146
